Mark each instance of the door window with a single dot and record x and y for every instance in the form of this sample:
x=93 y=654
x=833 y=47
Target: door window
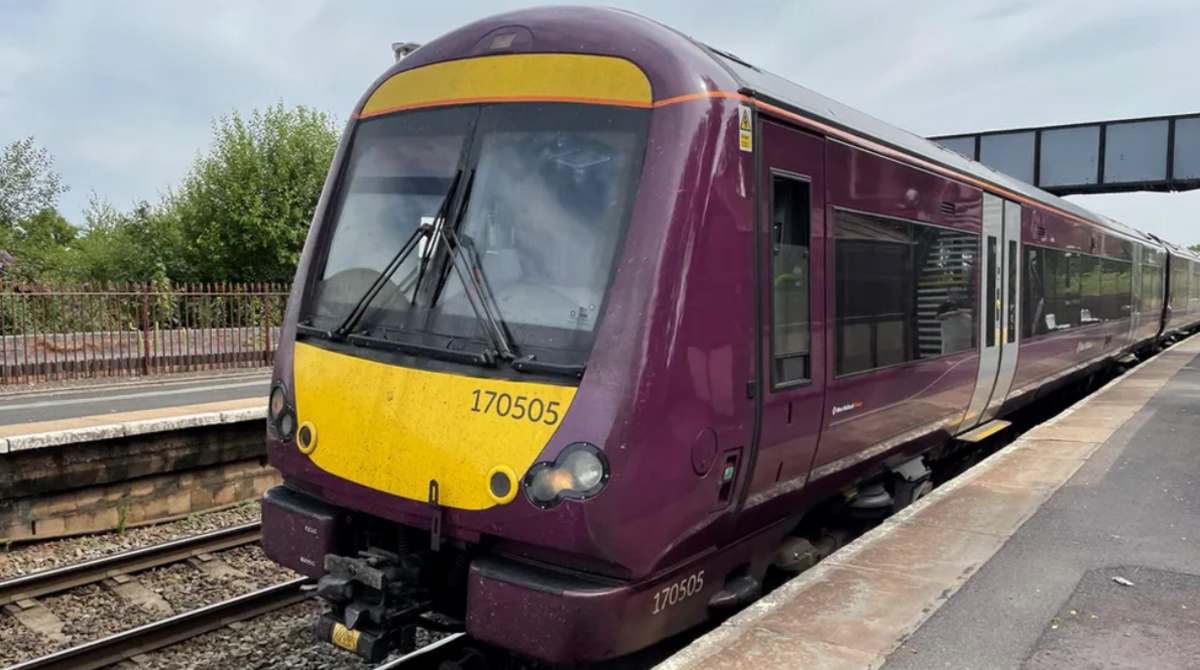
x=790 y=254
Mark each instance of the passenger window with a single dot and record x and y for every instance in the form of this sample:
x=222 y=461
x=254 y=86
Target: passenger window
x=1179 y=292
x=790 y=234
x=903 y=292
x=1066 y=289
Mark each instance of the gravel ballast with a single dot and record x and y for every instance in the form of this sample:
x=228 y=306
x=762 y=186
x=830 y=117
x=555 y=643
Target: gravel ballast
x=94 y=611
x=274 y=641
x=21 y=559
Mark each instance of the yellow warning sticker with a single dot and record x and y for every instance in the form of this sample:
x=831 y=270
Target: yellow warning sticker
x=344 y=637
x=745 y=129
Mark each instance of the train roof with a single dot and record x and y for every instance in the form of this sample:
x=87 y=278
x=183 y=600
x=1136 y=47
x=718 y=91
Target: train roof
x=1177 y=250
x=760 y=84
x=674 y=60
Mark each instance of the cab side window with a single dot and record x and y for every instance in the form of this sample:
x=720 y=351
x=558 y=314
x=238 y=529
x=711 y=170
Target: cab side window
x=790 y=252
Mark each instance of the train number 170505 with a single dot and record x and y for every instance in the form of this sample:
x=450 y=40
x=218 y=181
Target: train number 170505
x=677 y=592
x=519 y=407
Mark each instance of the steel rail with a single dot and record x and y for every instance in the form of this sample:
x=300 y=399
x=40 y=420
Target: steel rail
x=55 y=580
x=150 y=637
x=429 y=656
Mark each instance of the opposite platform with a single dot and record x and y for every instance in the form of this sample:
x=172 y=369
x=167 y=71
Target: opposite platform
x=87 y=413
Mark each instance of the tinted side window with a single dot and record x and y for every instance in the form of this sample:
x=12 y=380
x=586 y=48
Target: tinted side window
x=790 y=235
x=1118 y=287
x=1180 y=284
x=903 y=292
x=1151 y=300
x=1065 y=289
x=1195 y=279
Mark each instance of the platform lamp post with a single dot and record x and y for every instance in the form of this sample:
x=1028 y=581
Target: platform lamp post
x=402 y=49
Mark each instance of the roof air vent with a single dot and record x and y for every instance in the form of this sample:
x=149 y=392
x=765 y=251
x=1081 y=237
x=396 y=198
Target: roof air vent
x=947 y=207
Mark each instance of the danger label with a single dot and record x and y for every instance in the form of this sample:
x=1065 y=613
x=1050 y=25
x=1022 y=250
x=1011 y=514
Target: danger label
x=745 y=129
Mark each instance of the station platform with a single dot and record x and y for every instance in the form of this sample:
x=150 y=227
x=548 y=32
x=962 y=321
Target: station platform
x=98 y=456
x=86 y=412
x=1077 y=546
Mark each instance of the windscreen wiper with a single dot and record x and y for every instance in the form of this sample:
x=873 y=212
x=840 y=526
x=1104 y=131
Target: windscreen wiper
x=414 y=348
x=492 y=324
x=528 y=362
x=360 y=307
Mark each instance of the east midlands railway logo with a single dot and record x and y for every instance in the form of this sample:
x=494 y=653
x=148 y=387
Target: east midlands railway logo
x=838 y=409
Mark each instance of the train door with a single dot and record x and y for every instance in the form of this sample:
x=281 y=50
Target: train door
x=790 y=389
x=999 y=307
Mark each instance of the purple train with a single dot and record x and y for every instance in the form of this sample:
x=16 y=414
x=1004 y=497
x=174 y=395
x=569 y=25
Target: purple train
x=593 y=319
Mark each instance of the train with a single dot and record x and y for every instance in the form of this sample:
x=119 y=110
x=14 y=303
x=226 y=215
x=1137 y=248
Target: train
x=595 y=324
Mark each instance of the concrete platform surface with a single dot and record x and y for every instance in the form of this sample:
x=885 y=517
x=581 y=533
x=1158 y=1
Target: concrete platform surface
x=92 y=400
x=1013 y=565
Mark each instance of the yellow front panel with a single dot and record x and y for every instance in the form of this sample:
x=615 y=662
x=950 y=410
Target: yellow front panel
x=394 y=429
x=515 y=77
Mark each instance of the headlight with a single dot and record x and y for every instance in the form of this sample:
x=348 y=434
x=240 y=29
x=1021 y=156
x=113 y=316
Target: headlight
x=277 y=403
x=286 y=425
x=282 y=417
x=580 y=472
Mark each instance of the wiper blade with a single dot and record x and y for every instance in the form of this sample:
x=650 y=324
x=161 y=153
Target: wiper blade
x=360 y=307
x=531 y=364
x=481 y=358
x=305 y=329
x=488 y=316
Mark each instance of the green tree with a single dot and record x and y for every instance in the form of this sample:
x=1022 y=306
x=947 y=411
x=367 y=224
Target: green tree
x=1195 y=247
x=144 y=244
x=41 y=247
x=28 y=182
x=245 y=206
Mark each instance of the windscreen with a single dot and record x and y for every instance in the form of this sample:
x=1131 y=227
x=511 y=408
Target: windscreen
x=539 y=209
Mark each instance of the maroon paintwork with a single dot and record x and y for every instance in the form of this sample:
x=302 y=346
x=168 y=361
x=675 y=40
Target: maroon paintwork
x=666 y=390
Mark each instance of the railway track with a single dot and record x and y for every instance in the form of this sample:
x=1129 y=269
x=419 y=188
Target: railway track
x=125 y=645
x=56 y=580
x=143 y=585
x=21 y=594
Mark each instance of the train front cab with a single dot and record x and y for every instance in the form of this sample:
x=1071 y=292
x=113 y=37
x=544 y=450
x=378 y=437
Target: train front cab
x=431 y=415
x=476 y=480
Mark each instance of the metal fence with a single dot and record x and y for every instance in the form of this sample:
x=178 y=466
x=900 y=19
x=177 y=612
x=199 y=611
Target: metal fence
x=76 y=331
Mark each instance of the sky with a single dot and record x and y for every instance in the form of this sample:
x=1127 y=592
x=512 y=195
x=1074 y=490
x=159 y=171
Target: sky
x=123 y=93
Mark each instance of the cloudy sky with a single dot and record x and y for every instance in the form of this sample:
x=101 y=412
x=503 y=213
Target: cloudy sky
x=123 y=92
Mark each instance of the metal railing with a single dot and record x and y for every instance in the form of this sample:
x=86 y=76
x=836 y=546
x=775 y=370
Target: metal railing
x=133 y=329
